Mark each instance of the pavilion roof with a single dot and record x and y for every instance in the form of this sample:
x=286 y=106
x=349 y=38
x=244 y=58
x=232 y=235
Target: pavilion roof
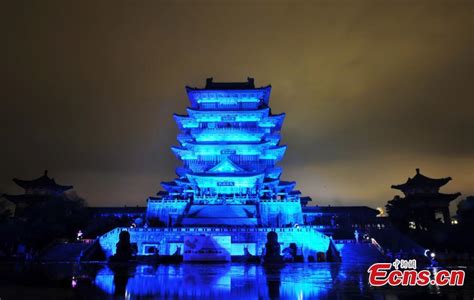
x=420 y=180
x=43 y=182
x=217 y=91
x=246 y=85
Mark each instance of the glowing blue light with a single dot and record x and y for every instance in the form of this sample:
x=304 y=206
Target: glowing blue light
x=105 y=280
x=229 y=146
x=242 y=141
x=226 y=281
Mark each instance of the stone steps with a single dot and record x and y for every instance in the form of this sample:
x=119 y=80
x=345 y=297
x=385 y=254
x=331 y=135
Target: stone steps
x=364 y=253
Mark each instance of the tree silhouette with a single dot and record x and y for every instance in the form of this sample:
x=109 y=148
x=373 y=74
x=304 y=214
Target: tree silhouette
x=465 y=212
x=398 y=212
x=56 y=217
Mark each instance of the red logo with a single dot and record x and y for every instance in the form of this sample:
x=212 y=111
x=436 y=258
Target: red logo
x=381 y=274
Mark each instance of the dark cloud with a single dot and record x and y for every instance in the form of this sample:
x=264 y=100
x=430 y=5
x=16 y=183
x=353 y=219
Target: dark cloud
x=372 y=90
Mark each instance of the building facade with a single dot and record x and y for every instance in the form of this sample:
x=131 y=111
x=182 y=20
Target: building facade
x=422 y=205
x=229 y=182
x=229 y=146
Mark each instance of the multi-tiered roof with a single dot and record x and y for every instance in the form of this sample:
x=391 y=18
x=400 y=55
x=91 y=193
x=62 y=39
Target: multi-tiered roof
x=421 y=185
x=229 y=145
x=423 y=204
x=39 y=189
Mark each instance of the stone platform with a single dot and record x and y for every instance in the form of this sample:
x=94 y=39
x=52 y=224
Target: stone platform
x=169 y=240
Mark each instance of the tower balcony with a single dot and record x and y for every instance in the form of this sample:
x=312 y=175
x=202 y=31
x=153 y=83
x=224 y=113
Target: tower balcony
x=254 y=135
x=226 y=98
x=185 y=138
x=229 y=115
x=239 y=119
x=225 y=199
x=216 y=148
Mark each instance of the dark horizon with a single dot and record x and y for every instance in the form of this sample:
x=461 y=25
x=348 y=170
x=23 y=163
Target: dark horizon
x=371 y=91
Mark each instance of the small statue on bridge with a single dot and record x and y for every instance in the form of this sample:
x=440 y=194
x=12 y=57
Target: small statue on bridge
x=356 y=235
x=272 y=248
x=124 y=248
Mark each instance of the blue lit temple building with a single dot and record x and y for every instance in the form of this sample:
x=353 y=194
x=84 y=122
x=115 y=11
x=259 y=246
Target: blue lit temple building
x=229 y=183
x=230 y=147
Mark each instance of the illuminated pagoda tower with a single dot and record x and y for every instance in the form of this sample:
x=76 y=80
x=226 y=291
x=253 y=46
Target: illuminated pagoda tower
x=230 y=147
x=228 y=187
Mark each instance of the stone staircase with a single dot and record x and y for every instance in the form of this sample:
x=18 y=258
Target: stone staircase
x=65 y=252
x=360 y=253
x=393 y=239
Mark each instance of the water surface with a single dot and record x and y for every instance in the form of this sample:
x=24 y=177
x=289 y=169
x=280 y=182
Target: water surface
x=208 y=281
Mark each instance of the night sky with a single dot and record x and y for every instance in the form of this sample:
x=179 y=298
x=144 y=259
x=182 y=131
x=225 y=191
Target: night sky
x=372 y=90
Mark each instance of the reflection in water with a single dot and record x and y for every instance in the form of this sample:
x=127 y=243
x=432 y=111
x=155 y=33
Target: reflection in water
x=295 y=281
x=121 y=275
x=273 y=276
x=210 y=281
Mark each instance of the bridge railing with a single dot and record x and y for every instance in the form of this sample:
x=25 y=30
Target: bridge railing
x=220 y=229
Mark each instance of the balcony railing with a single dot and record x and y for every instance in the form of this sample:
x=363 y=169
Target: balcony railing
x=305 y=228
